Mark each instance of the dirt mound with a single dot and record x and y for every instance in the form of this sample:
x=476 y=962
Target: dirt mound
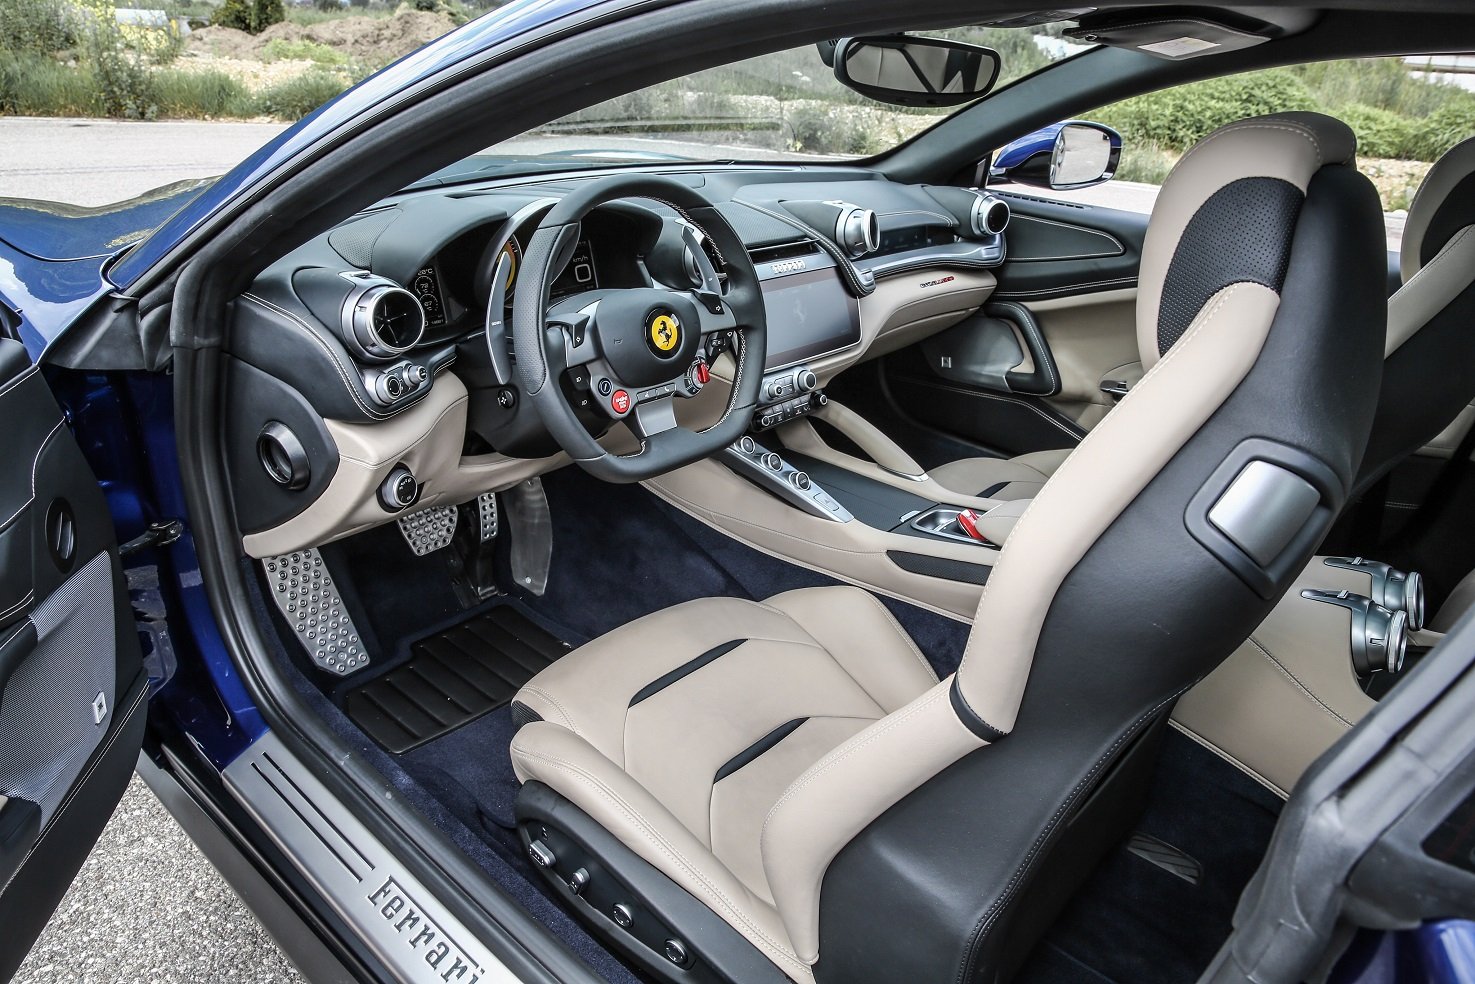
x=367 y=40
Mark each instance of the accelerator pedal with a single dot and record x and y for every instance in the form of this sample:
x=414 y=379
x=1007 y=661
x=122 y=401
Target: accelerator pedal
x=486 y=515
x=305 y=594
x=1166 y=857
x=429 y=530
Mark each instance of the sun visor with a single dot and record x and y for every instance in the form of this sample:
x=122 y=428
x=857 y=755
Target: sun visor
x=1176 y=37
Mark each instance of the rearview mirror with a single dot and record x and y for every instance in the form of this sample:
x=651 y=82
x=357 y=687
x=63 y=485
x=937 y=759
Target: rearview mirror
x=1062 y=156
x=907 y=71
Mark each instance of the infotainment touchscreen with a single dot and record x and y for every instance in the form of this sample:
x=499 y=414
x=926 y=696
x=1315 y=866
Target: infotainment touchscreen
x=809 y=314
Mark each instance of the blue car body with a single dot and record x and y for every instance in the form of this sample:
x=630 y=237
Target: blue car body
x=58 y=263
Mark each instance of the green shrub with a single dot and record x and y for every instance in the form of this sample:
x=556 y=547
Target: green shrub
x=1382 y=132
x=1144 y=161
x=1383 y=83
x=36 y=85
x=282 y=49
x=38 y=25
x=252 y=16
x=1178 y=118
x=296 y=97
x=1445 y=128
x=179 y=93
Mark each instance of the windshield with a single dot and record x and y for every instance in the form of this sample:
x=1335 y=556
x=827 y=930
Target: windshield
x=784 y=106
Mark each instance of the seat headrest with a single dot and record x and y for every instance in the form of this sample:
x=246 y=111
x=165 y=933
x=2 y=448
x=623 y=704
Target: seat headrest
x=1443 y=205
x=1226 y=215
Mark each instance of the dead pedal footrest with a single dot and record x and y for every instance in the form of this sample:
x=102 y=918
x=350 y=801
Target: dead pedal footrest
x=305 y=594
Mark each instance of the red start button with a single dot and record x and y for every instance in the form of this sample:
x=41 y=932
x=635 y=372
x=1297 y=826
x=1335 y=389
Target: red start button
x=703 y=374
x=619 y=401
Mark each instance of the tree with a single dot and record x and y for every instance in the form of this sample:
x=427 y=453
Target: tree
x=253 y=16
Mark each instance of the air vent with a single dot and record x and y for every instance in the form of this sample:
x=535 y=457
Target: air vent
x=783 y=251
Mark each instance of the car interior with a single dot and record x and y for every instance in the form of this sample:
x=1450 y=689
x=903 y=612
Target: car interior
x=830 y=570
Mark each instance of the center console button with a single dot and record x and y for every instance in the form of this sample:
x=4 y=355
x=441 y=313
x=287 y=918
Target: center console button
x=800 y=481
x=747 y=445
x=772 y=461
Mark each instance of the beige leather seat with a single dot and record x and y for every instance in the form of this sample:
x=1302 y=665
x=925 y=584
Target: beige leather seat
x=1430 y=351
x=689 y=725
x=773 y=760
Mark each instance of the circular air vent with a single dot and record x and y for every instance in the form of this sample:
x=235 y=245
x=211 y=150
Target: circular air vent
x=384 y=322
x=857 y=230
x=990 y=215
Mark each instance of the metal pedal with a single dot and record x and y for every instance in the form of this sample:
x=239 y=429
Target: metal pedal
x=429 y=530
x=486 y=514
x=305 y=594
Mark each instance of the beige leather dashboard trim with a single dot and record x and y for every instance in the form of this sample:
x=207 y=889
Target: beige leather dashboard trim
x=428 y=438
x=1088 y=335
x=1289 y=692
x=851 y=552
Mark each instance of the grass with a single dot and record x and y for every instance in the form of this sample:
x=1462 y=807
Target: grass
x=198 y=95
x=310 y=16
x=296 y=97
x=37 y=85
x=281 y=49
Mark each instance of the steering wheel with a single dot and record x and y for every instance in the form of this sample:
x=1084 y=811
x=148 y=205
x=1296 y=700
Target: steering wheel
x=641 y=348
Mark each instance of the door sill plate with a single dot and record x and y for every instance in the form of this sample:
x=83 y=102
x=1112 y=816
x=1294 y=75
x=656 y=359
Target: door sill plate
x=395 y=915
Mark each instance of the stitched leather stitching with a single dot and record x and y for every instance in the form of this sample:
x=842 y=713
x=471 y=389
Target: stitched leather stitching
x=1299 y=685
x=986 y=923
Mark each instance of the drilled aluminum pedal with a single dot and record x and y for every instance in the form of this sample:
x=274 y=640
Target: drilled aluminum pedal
x=486 y=514
x=306 y=595
x=429 y=530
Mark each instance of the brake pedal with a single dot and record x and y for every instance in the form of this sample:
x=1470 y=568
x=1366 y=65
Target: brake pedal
x=429 y=530
x=305 y=594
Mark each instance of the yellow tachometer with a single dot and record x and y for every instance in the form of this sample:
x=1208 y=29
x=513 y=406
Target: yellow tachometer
x=514 y=253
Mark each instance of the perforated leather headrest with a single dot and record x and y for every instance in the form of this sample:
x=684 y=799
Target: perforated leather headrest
x=1226 y=215
x=1444 y=204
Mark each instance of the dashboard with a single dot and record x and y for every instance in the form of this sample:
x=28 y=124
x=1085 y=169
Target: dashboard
x=365 y=354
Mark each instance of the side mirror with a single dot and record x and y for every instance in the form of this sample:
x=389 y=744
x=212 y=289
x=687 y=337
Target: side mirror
x=1062 y=156
x=908 y=71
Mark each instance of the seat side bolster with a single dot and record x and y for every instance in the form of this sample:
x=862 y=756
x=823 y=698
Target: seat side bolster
x=843 y=792
x=1111 y=467
x=551 y=754
x=1430 y=290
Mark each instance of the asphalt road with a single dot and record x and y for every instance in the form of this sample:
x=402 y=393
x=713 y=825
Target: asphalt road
x=147 y=906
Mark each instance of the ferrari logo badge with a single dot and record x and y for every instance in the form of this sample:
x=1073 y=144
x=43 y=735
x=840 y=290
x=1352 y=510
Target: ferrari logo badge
x=665 y=332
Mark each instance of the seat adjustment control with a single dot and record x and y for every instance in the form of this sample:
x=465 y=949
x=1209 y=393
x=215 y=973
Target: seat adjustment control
x=676 y=952
x=541 y=854
x=622 y=915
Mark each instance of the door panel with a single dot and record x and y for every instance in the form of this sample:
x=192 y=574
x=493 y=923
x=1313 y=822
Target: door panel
x=71 y=685
x=1071 y=279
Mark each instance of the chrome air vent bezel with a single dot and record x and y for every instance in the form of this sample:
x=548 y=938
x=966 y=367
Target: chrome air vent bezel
x=989 y=215
x=361 y=309
x=857 y=230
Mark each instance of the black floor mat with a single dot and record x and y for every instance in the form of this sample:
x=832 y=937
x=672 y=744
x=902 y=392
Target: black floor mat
x=453 y=678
